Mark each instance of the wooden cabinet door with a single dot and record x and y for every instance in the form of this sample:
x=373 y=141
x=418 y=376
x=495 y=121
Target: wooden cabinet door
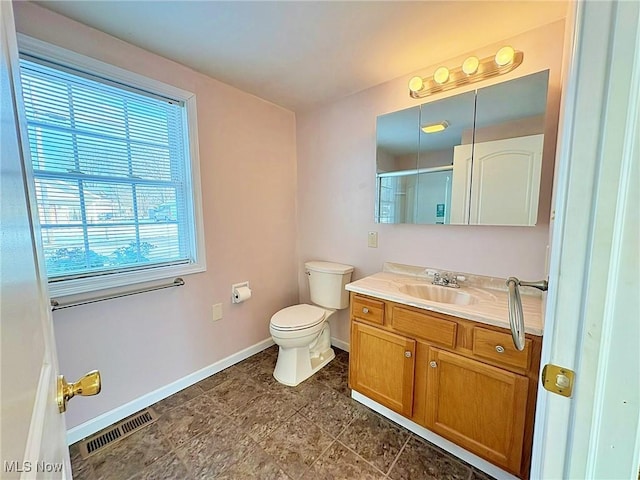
x=480 y=407
x=382 y=367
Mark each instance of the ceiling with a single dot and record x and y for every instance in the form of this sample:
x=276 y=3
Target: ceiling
x=301 y=54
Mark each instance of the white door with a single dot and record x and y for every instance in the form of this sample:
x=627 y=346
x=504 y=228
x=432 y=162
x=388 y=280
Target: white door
x=506 y=181
x=461 y=183
x=33 y=431
x=591 y=320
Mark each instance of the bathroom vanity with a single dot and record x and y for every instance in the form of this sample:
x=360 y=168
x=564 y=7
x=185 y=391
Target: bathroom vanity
x=444 y=359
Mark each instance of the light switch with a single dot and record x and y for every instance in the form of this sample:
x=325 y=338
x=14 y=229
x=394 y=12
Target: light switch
x=217 y=312
x=372 y=240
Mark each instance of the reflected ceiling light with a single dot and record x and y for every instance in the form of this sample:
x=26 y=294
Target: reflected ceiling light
x=472 y=70
x=435 y=127
x=470 y=65
x=441 y=75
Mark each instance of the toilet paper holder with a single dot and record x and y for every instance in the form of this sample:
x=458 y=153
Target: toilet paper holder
x=240 y=292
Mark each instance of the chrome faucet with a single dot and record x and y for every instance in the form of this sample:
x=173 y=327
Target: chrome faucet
x=446 y=279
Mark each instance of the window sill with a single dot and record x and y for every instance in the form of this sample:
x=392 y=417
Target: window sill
x=83 y=289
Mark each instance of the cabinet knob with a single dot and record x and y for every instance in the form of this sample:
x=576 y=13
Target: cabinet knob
x=433 y=364
x=365 y=310
x=407 y=354
x=499 y=349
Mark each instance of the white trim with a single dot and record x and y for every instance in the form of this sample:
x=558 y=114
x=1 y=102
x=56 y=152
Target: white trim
x=341 y=344
x=38 y=417
x=437 y=440
x=68 y=58
x=193 y=168
x=552 y=412
x=85 y=288
x=109 y=418
x=613 y=440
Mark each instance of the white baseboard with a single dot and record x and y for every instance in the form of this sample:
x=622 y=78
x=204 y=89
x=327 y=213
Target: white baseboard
x=336 y=342
x=109 y=418
x=437 y=440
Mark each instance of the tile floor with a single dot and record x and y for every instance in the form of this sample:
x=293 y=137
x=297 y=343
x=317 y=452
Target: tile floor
x=242 y=424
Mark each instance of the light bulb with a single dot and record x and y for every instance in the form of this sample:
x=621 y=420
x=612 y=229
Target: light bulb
x=470 y=65
x=416 y=84
x=441 y=75
x=505 y=56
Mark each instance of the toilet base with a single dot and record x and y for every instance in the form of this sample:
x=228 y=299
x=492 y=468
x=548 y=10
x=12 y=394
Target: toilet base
x=296 y=364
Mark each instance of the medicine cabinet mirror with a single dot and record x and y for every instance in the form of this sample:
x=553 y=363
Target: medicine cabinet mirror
x=472 y=159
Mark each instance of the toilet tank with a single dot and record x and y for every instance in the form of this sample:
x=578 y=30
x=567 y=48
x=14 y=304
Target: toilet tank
x=326 y=283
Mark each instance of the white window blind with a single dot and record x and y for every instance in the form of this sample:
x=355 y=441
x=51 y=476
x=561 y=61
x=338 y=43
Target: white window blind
x=111 y=171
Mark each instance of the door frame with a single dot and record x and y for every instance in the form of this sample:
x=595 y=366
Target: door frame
x=591 y=312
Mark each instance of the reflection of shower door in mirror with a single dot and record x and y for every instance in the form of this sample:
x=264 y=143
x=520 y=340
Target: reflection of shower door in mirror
x=506 y=181
x=434 y=196
x=397 y=197
x=416 y=196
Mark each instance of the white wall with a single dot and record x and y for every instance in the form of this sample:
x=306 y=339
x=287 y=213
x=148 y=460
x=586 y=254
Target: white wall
x=336 y=184
x=144 y=342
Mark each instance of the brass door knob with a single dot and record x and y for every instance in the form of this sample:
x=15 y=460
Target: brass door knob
x=89 y=384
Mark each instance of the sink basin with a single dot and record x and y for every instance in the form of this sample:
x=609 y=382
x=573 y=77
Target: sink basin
x=434 y=293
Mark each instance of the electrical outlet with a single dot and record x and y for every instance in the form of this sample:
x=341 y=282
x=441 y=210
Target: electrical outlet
x=372 y=240
x=217 y=312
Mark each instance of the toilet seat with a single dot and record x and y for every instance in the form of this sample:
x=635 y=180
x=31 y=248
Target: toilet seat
x=298 y=317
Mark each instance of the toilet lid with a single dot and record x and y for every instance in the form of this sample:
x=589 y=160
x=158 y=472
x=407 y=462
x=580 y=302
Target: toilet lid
x=297 y=317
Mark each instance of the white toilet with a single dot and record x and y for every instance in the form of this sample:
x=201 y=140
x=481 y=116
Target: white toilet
x=302 y=331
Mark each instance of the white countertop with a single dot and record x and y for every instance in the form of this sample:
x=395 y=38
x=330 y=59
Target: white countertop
x=490 y=307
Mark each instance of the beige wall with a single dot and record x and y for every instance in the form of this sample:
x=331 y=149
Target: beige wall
x=336 y=184
x=145 y=342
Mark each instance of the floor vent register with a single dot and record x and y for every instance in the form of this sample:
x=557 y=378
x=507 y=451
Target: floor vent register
x=95 y=443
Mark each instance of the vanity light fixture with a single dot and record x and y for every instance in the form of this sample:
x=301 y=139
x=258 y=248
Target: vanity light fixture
x=441 y=75
x=472 y=70
x=505 y=56
x=470 y=65
x=416 y=84
x=435 y=127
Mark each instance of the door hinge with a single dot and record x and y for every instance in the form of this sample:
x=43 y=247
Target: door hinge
x=558 y=380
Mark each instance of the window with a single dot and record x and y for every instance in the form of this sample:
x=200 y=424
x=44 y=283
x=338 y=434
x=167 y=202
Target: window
x=113 y=176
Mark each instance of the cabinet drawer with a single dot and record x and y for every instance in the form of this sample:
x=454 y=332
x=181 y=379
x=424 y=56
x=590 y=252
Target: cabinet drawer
x=366 y=309
x=431 y=328
x=498 y=347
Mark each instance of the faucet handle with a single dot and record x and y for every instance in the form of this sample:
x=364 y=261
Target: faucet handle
x=454 y=279
x=431 y=273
